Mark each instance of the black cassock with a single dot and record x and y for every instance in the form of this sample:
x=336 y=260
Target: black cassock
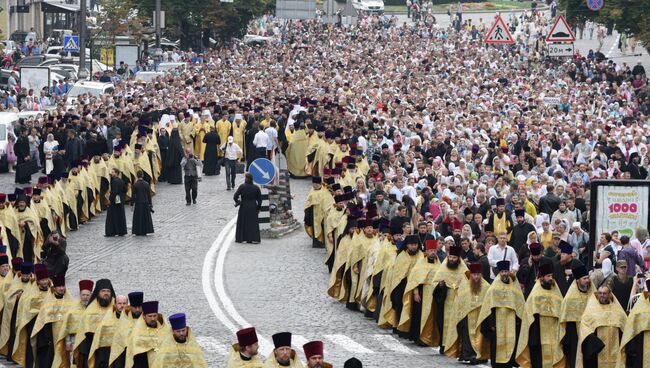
x=210 y=159
x=397 y=301
x=634 y=352
x=591 y=347
x=163 y=144
x=141 y=361
x=45 y=347
x=142 y=222
x=115 y=217
x=172 y=163
x=28 y=243
x=102 y=356
x=439 y=297
x=488 y=329
x=570 y=343
x=249 y=198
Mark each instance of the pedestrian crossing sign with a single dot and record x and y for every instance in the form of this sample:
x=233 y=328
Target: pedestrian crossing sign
x=71 y=43
x=499 y=33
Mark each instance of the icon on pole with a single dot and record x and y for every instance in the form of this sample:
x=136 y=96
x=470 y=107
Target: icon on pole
x=263 y=171
x=595 y=5
x=71 y=43
x=499 y=33
x=560 y=32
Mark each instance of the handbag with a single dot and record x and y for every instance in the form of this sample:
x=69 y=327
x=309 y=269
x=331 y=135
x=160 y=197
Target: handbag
x=240 y=168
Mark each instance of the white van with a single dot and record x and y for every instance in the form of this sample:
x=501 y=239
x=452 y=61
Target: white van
x=369 y=6
x=86 y=87
x=147 y=76
x=165 y=67
x=7 y=122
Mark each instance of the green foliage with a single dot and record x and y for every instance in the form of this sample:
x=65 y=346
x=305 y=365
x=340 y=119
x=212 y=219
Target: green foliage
x=576 y=12
x=227 y=20
x=629 y=16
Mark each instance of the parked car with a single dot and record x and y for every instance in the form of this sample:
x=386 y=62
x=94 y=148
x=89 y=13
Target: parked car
x=165 y=67
x=7 y=123
x=36 y=60
x=87 y=87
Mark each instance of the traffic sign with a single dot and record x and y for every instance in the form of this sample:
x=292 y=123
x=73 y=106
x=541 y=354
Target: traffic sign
x=560 y=32
x=595 y=5
x=499 y=33
x=263 y=171
x=560 y=50
x=71 y=43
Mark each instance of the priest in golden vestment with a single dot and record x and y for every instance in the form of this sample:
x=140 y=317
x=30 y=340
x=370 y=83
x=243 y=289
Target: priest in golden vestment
x=30 y=231
x=146 y=337
x=500 y=317
x=100 y=350
x=28 y=308
x=383 y=254
x=335 y=221
x=573 y=305
x=635 y=343
x=178 y=347
x=244 y=353
x=318 y=201
x=447 y=280
x=283 y=355
x=224 y=128
x=339 y=286
x=358 y=261
x=49 y=323
x=201 y=128
x=10 y=227
x=317 y=152
x=129 y=315
x=22 y=285
x=64 y=340
x=296 y=153
x=392 y=304
x=538 y=344
x=238 y=132
x=101 y=302
x=601 y=326
x=466 y=342
x=417 y=320
x=186 y=130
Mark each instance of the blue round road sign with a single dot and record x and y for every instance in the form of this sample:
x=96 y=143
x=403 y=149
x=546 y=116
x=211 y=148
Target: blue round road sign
x=263 y=171
x=595 y=4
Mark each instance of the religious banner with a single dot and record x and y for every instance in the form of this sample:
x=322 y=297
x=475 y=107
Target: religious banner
x=622 y=209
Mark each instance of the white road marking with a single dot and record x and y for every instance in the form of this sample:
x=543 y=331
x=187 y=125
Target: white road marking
x=392 y=344
x=215 y=268
x=209 y=343
x=614 y=45
x=349 y=344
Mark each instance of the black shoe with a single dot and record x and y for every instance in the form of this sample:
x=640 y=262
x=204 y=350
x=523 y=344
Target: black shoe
x=228 y=189
x=188 y=203
x=194 y=201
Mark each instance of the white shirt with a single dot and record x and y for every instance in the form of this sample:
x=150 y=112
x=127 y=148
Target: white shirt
x=231 y=151
x=496 y=254
x=273 y=136
x=261 y=140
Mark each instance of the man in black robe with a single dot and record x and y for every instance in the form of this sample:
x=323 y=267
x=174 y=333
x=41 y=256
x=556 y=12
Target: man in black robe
x=423 y=235
x=142 y=222
x=520 y=232
x=115 y=217
x=529 y=267
x=25 y=167
x=563 y=266
x=249 y=199
x=211 y=164
x=172 y=163
x=163 y=145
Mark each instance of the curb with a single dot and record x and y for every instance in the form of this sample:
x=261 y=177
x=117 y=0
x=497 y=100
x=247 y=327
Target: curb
x=543 y=8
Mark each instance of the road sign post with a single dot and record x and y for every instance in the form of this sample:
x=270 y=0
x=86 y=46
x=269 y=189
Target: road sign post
x=263 y=171
x=560 y=50
x=595 y=5
x=71 y=43
x=499 y=33
x=560 y=32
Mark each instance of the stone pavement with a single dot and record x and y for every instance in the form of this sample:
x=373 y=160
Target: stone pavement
x=278 y=285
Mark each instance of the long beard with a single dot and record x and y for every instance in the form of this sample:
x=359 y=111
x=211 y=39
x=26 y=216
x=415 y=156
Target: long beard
x=412 y=252
x=180 y=339
x=104 y=302
x=583 y=288
x=547 y=285
x=475 y=286
x=505 y=279
x=453 y=265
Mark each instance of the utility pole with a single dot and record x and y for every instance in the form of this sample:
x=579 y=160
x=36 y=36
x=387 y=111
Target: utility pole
x=158 y=25
x=82 y=40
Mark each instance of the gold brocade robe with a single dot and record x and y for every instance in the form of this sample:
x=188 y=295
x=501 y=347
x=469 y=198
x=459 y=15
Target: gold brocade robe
x=295 y=362
x=104 y=333
x=121 y=334
x=55 y=200
x=316 y=156
x=422 y=274
x=337 y=288
x=637 y=323
x=453 y=279
x=43 y=211
x=361 y=247
x=32 y=222
x=547 y=305
x=9 y=220
x=605 y=321
x=363 y=168
x=141 y=161
x=320 y=200
x=69 y=327
x=53 y=311
x=28 y=308
x=235 y=360
x=145 y=339
x=238 y=131
x=200 y=130
x=12 y=298
x=468 y=305
x=508 y=303
x=335 y=222
x=90 y=319
x=350 y=179
x=179 y=355
x=381 y=254
x=399 y=271
x=573 y=305
x=223 y=127
x=296 y=153
x=186 y=130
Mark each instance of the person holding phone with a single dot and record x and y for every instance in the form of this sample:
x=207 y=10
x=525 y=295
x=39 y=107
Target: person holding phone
x=190 y=165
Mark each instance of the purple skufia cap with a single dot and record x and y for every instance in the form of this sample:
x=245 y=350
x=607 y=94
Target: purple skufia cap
x=177 y=321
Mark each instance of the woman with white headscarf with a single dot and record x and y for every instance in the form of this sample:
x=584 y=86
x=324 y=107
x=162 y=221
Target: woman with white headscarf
x=49 y=147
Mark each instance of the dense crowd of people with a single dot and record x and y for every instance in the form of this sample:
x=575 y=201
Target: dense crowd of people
x=418 y=139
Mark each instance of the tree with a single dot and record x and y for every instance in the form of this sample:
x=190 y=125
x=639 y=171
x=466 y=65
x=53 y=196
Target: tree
x=576 y=12
x=228 y=20
x=628 y=16
x=119 y=17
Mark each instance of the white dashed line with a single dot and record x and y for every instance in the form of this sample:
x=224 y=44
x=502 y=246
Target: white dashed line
x=392 y=344
x=349 y=344
x=614 y=45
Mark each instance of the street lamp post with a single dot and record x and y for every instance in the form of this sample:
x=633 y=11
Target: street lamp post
x=158 y=25
x=83 y=74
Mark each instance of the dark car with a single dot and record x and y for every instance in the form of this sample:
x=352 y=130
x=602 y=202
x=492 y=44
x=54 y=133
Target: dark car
x=35 y=60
